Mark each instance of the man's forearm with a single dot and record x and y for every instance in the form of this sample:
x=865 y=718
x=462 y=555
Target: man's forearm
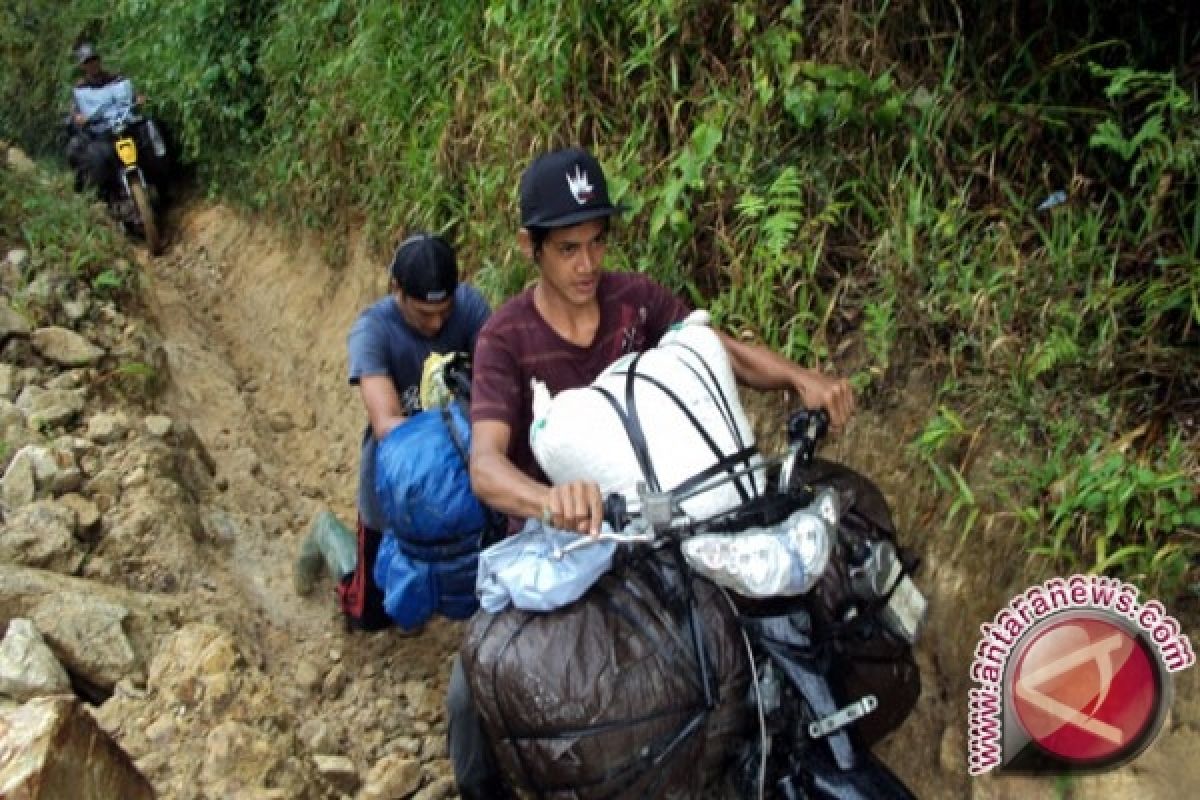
x=760 y=368
x=501 y=486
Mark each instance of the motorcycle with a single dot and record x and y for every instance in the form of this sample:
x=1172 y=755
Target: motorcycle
x=815 y=587
x=112 y=116
x=135 y=204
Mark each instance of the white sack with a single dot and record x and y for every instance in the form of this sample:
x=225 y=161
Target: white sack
x=578 y=435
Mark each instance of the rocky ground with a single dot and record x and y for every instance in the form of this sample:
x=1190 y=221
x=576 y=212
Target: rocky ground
x=150 y=526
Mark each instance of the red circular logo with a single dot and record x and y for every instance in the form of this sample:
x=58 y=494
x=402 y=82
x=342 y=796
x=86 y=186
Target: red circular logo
x=1086 y=690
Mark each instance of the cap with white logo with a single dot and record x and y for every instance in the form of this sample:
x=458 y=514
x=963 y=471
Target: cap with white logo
x=563 y=188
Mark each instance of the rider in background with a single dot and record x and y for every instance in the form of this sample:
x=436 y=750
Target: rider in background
x=98 y=100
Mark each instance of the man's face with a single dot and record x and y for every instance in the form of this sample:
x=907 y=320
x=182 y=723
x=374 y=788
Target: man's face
x=572 y=259
x=91 y=67
x=425 y=318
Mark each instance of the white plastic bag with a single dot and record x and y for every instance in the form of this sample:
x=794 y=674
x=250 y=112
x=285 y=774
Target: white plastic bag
x=685 y=407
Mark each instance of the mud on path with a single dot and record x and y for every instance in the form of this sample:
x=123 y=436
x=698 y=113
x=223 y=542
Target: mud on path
x=254 y=328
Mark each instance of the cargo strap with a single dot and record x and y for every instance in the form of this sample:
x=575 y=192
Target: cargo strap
x=633 y=428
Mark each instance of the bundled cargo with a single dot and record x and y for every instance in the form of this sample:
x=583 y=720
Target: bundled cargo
x=635 y=690
x=669 y=416
x=429 y=554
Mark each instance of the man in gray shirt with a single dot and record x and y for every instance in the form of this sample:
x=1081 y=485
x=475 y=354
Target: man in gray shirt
x=427 y=311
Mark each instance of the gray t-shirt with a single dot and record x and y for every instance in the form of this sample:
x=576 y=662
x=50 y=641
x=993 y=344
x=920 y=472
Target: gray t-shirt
x=382 y=343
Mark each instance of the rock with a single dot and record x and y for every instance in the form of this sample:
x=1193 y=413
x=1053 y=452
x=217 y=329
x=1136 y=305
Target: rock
x=339 y=771
x=19 y=162
x=11 y=417
x=315 y=733
x=87 y=516
x=88 y=635
x=235 y=755
x=158 y=425
x=162 y=730
x=105 y=428
x=280 y=421
x=951 y=754
x=50 y=407
x=135 y=477
x=28 y=668
x=220 y=526
x=71 y=379
x=105 y=482
x=66 y=480
x=77 y=309
x=41 y=534
x=65 y=347
x=12 y=322
x=439 y=789
x=424 y=703
x=194 y=665
x=392 y=777
x=308 y=675
x=45 y=465
x=52 y=745
x=335 y=681
x=18 y=487
x=17 y=258
x=38 y=594
x=8 y=381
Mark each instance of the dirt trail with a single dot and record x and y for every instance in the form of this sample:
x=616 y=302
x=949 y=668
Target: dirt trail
x=254 y=328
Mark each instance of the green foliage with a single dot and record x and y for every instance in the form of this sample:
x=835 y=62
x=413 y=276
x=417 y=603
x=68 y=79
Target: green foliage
x=36 y=39
x=1109 y=512
x=67 y=234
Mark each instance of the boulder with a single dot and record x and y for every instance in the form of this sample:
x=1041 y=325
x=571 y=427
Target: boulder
x=65 y=347
x=12 y=322
x=40 y=534
x=52 y=749
x=158 y=425
x=393 y=776
x=50 y=407
x=105 y=427
x=19 y=162
x=28 y=668
x=18 y=487
x=339 y=771
x=89 y=636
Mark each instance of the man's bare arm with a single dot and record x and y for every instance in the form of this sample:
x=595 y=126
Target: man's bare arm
x=498 y=484
x=761 y=368
x=384 y=410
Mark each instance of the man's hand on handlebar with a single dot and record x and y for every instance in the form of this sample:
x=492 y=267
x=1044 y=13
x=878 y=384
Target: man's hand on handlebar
x=575 y=506
x=832 y=394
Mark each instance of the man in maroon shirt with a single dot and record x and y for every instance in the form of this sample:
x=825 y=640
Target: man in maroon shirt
x=574 y=322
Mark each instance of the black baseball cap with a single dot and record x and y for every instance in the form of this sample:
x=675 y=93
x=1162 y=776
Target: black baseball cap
x=563 y=188
x=425 y=268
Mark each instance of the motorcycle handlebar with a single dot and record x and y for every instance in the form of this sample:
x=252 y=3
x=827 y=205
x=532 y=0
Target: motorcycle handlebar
x=629 y=523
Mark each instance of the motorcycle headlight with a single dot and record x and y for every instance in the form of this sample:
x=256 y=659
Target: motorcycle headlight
x=785 y=559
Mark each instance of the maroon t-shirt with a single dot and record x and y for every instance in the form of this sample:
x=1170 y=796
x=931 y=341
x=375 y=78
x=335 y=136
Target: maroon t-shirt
x=517 y=344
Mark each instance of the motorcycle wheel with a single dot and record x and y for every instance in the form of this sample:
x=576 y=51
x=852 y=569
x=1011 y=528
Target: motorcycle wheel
x=145 y=211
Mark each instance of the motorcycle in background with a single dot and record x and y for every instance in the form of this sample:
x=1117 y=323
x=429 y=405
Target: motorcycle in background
x=113 y=116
